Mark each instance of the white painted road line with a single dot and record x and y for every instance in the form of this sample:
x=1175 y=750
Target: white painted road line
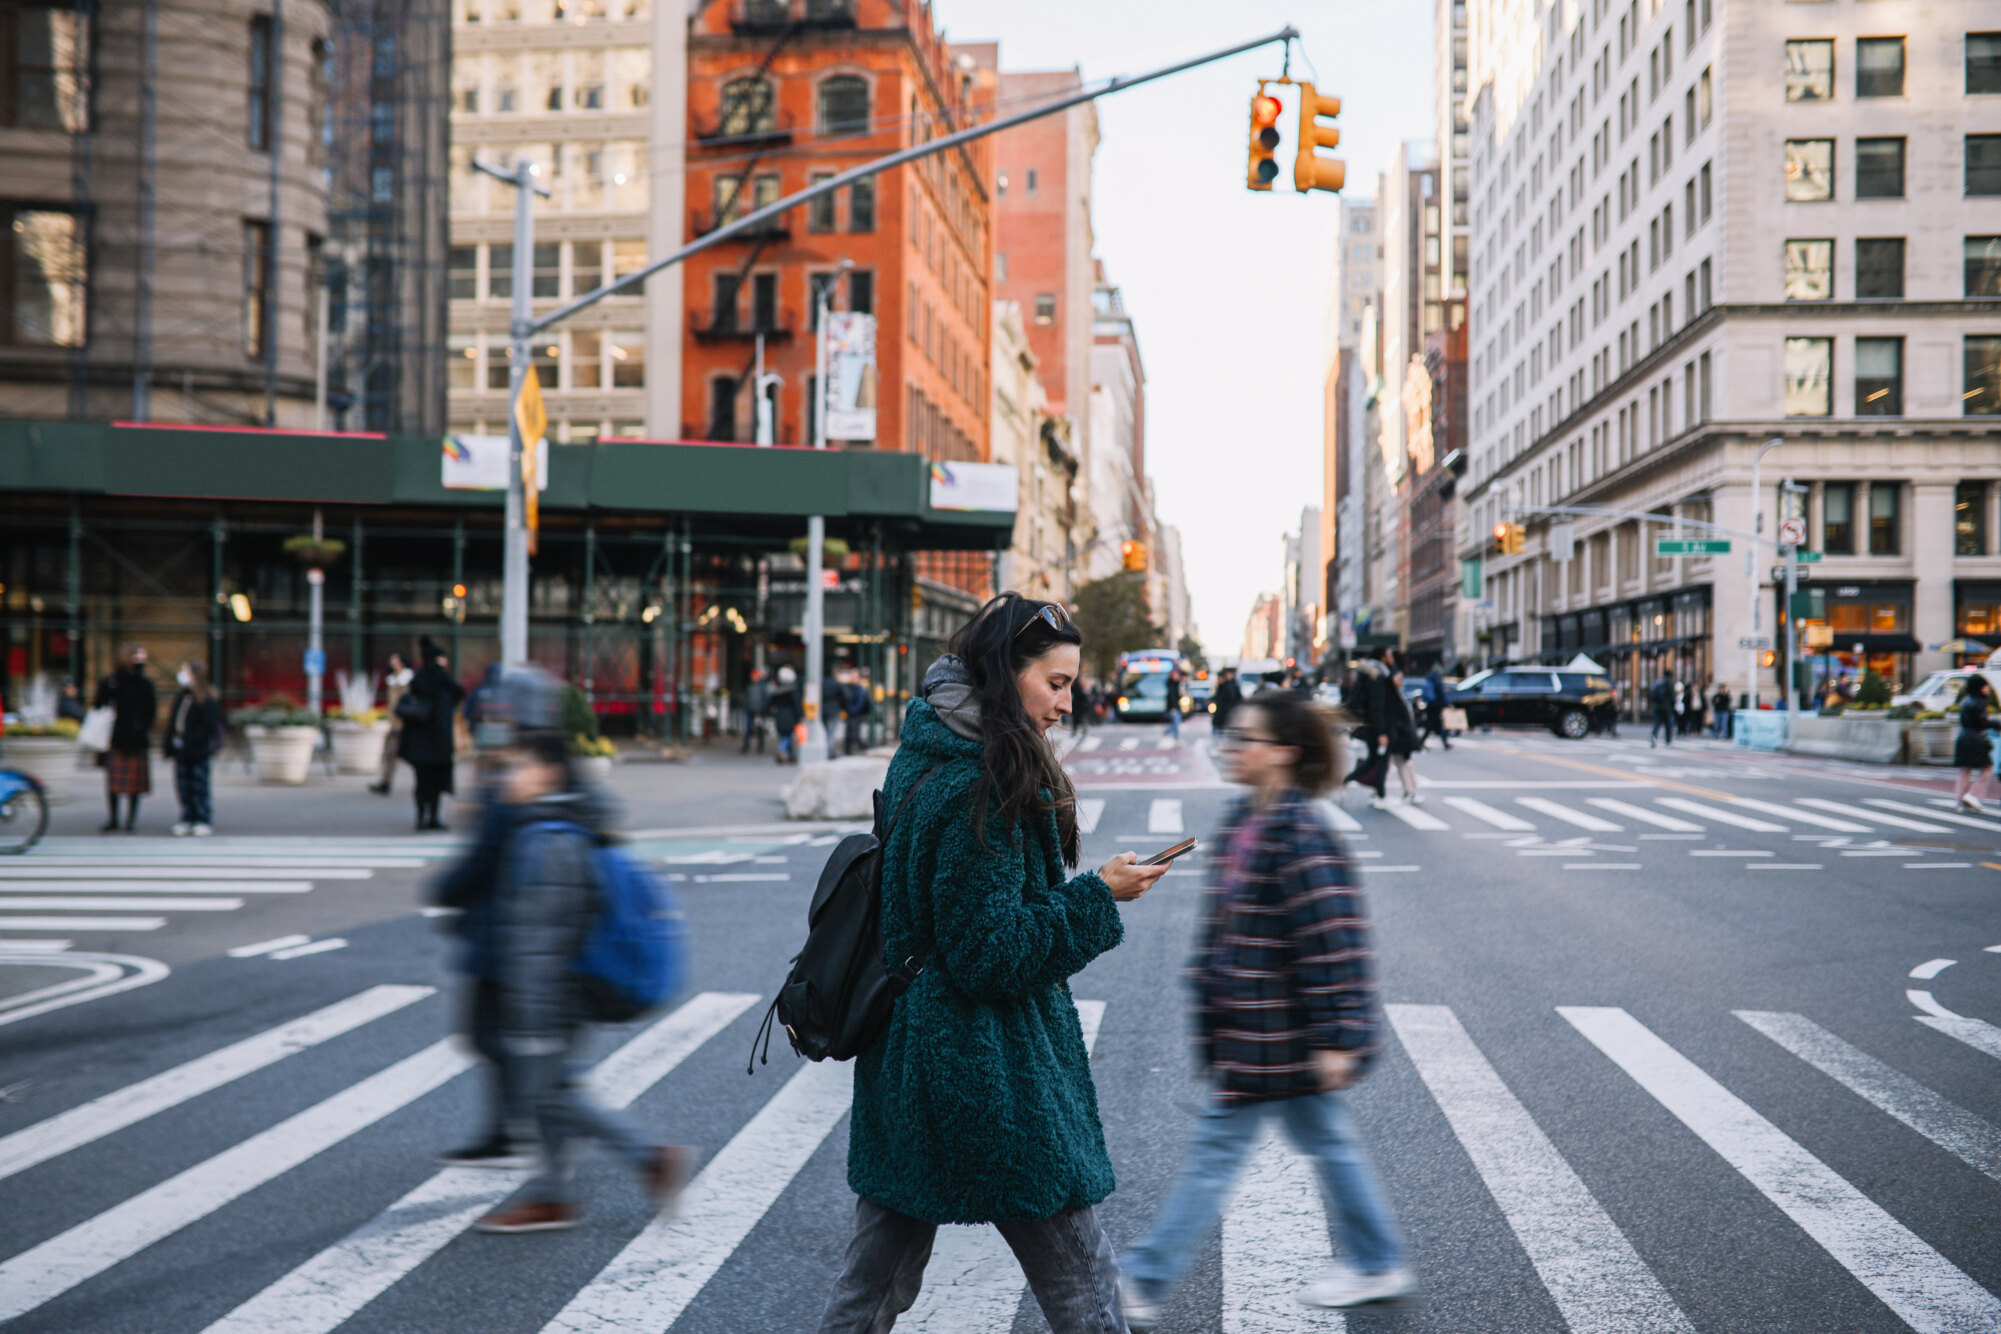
x=1166 y=743
x=1952 y=817
x=743 y=878
x=1937 y=866
x=266 y=946
x=82 y=923
x=153 y=886
x=1163 y=816
x=44 y=1272
x=1274 y=1243
x=1593 y=1274
x=330 y=1288
x=1480 y=810
x=316 y=947
x=1601 y=866
x=1556 y=810
x=111 y=862
x=1729 y=852
x=1959 y=1132
x=1721 y=816
x=650 y=1283
x=170 y=1088
x=1784 y=866
x=1643 y=815
x=1130 y=743
x=1415 y=816
x=1803 y=817
x=1374 y=869
x=164 y=869
x=1975 y=1033
x=1089 y=811
x=973 y=1283
x=1090 y=743
x=1876 y=817
x=1340 y=819
x=87 y=903
x=1927 y=1291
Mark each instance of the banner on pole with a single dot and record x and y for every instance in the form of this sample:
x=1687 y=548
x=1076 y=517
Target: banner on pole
x=851 y=383
x=533 y=419
x=990 y=487
x=479 y=463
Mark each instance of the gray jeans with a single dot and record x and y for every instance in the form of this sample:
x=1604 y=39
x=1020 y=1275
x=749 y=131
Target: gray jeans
x=1066 y=1258
x=553 y=1088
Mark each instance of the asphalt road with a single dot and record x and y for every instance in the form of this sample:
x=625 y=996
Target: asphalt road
x=1668 y=1047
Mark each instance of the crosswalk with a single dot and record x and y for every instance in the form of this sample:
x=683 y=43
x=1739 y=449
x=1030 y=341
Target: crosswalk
x=1595 y=1268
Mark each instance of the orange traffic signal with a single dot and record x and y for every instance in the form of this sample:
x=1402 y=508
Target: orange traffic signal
x=1309 y=170
x=1510 y=538
x=1261 y=170
x=1132 y=555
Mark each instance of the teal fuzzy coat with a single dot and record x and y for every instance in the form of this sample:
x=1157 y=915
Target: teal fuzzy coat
x=976 y=1104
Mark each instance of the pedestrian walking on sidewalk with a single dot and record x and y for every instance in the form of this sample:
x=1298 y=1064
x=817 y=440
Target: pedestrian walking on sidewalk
x=1176 y=683
x=858 y=705
x=394 y=682
x=194 y=734
x=1368 y=700
x=1662 y=699
x=975 y=1104
x=1403 y=740
x=429 y=710
x=756 y=704
x=1285 y=1017
x=786 y=711
x=1973 y=747
x=1719 y=717
x=128 y=764
x=545 y=900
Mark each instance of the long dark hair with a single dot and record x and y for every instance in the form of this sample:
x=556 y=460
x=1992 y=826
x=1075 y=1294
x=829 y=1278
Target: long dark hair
x=1020 y=773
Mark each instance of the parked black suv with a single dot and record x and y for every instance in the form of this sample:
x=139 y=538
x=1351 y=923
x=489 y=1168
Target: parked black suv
x=1571 y=704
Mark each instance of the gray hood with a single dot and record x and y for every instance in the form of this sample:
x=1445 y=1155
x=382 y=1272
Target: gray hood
x=948 y=687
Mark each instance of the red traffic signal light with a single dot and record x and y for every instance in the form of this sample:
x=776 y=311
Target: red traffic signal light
x=1261 y=170
x=1265 y=110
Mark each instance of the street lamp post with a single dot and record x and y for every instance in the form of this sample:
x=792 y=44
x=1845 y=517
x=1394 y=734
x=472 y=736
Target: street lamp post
x=1751 y=563
x=815 y=628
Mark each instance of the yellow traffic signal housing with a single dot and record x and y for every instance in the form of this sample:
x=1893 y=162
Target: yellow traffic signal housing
x=1261 y=170
x=1309 y=170
x=1509 y=537
x=1132 y=555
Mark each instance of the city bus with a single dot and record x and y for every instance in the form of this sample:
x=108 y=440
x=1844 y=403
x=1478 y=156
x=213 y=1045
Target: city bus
x=1142 y=684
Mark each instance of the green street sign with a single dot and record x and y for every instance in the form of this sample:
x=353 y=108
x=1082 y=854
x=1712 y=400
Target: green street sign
x=1806 y=557
x=1701 y=546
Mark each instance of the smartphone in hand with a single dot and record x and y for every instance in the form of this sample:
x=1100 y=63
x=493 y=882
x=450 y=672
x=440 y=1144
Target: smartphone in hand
x=1166 y=855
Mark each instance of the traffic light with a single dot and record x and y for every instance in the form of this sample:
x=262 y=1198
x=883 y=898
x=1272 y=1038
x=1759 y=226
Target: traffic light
x=1262 y=171
x=1132 y=555
x=1310 y=171
x=1509 y=537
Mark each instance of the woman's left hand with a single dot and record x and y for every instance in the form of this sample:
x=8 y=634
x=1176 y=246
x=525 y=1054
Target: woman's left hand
x=1337 y=1069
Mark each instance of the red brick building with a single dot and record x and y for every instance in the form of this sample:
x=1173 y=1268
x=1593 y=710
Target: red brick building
x=781 y=92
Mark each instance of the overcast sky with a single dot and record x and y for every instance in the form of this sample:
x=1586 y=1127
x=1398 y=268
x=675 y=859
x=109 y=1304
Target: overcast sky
x=1226 y=286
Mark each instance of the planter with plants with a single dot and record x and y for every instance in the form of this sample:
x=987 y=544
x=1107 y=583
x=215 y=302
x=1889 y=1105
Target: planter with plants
x=358 y=739
x=592 y=757
x=1935 y=733
x=283 y=735
x=47 y=750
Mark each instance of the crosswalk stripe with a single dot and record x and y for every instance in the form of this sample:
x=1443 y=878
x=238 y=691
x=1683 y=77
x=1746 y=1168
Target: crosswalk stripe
x=1875 y=817
x=332 y=1286
x=1645 y=816
x=44 y=1272
x=1593 y=1274
x=1090 y=743
x=1339 y=818
x=1163 y=816
x=1556 y=810
x=1166 y=743
x=82 y=923
x=1089 y=811
x=1480 y=810
x=1952 y=817
x=1415 y=816
x=1130 y=743
x=1975 y=1033
x=152 y=886
x=649 y=1284
x=1721 y=816
x=1927 y=1291
x=1274 y=1241
x=1945 y=1123
x=150 y=862
x=158 y=871
x=99 y=903
x=973 y=1283
x=1804 y=817
x=114 y=1111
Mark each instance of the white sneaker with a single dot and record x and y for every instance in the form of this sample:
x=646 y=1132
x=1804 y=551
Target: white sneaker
x=182 y=829
x=1141 y=1313
x=204 y=830
x=1342 y=1286
x=1379 y=803
x=1414 y=798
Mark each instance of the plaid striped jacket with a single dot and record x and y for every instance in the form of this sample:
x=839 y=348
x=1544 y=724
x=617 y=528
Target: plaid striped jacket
x=1282 y=966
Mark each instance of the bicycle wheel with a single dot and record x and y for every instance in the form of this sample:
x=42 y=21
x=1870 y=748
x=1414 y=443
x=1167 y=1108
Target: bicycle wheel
x=23 y=815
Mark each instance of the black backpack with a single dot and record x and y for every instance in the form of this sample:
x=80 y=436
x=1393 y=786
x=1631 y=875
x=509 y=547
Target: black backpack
x=839 y=994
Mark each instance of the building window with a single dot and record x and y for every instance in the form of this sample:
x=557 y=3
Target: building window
x=1879 y=168
x=496 y=363
x=861 y=291
x=1983 y=62
x=256 y=287
x=1983 y=164
x=1879 y=67
x=728 y=195
x=723 y=318
x=1809 y=70
x=1837 y=514
x=844 y=105
x=586 y=266
x=1983 y=266
x=1705 y=191
x=764 y=302
x=1034 y=182
x=747 y=108
x=1000 y=266
x=462 y=362
x=1809 y=270
x=1982 y=395
x=820 y=212
x=548 y=277
x=586 y=359
x=1879 y=377
x=260 y=106
x=1809 y=170
x=42 y=263
x=44 y=67
x=722 y=408
x=1879 y=267
x=627 y=354
x=462 y=273
x=1045 y=308
x=861 y=206
x=1809 y=377
x=1885 y=512
x=1969 y=519
x=820 y=286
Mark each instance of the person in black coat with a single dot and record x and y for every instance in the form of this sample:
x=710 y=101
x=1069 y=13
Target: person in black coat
x=1973 y=748
x=428 y=742
x=128 y=765
x=1229 y=695
x=1403 y=739
x=194 y=729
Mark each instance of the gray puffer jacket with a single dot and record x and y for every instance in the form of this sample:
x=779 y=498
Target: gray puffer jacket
x=545 y=900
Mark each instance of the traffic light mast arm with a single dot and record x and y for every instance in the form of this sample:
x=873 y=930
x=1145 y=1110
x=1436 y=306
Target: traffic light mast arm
x=1609 y=511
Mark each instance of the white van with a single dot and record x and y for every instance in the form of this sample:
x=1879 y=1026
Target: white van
x=1941 y=690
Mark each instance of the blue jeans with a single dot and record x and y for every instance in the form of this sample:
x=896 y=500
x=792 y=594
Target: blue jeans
x=1174 y=723
x=553 y=1089
x=1360 y=1224
x=192 y=787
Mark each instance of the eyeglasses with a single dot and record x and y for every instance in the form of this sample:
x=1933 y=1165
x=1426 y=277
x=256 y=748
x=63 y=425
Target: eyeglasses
x=1051 y=615
x=1230 y=736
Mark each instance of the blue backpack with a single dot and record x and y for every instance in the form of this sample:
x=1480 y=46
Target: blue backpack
x=635 y=955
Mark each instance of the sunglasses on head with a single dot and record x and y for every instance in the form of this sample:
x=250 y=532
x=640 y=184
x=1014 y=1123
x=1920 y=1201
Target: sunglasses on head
x=1050 y=615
